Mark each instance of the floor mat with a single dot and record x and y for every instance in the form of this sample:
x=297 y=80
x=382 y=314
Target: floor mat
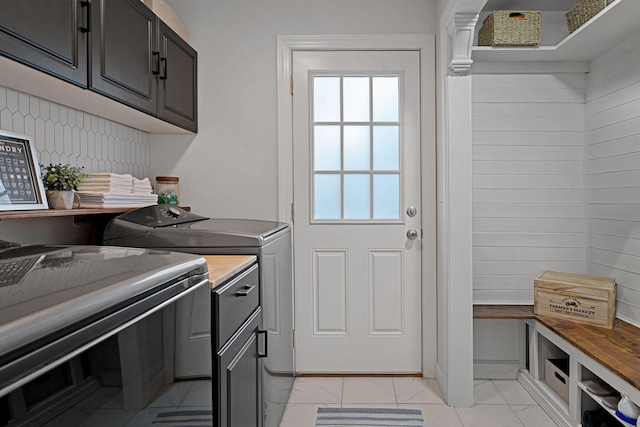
x=184 y=419
x=385 y=417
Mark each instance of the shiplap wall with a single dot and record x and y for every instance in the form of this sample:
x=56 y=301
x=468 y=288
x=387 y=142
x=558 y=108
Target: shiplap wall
x=613 y=172
x=529 y=212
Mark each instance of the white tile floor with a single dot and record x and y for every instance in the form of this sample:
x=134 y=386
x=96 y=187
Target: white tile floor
x=104 y=408
x=497 y=403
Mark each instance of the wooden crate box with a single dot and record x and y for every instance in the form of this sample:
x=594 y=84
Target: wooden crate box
x=585 y=299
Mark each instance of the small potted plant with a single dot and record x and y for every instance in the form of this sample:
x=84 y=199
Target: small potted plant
x=61 y=181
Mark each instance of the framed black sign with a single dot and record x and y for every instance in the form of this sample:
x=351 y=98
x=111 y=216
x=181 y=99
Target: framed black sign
x=21 y=185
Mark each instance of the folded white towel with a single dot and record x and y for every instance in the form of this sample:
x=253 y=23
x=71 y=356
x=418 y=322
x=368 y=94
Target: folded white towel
x=109 y=182
x=96 y=199
x=142 y=186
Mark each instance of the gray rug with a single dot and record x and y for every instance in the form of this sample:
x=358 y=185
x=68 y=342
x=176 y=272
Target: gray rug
x=184 y=419
x=380 y=417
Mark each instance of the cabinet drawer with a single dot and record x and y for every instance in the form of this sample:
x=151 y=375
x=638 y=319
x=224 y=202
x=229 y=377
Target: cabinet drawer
x=232 y=304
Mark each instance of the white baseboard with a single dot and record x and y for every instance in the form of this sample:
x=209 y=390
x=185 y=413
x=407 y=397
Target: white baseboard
x=442 y=383
x=495 y=369
x=547 y=402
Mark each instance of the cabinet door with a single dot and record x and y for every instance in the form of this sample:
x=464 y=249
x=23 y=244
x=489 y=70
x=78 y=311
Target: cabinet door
x=178 y=78
x=237 y=381
x=49 y=35
x=122 y=52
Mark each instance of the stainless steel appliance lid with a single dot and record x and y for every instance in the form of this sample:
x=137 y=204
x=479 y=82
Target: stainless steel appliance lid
x=46 y=288
x=141 y=228
x=246 y=227
x=168 y=216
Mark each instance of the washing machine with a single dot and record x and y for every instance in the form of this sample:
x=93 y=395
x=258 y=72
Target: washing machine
x=171 y=228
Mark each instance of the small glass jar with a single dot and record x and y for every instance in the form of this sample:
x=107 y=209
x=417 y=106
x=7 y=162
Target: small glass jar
x=168 y=190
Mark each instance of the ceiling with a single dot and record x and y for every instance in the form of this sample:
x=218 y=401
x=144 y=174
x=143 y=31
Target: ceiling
x=563 y=5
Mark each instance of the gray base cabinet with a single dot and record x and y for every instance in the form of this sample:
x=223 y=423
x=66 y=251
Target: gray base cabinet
x=50 y=35
x=236 y=345
x=238 y=378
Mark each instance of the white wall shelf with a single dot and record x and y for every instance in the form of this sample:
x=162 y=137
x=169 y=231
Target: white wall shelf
x=619 y=21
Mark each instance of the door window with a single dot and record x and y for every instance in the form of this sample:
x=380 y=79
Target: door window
x=356 y=132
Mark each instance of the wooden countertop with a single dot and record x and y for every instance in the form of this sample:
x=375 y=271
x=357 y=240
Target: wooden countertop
x=617 y=349
x=223 y=267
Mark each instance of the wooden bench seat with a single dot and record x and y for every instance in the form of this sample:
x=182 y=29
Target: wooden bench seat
x=617 y=349
x=503 y=312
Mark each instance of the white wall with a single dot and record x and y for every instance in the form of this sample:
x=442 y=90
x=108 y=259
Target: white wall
x=529 y=212
x=496 y=349
x=229 y=169
x=613 y=172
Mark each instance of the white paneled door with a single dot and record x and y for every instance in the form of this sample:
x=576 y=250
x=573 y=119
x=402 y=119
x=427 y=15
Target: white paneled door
x=357 y=231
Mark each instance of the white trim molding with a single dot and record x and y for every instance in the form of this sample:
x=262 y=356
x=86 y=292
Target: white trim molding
x=454 y=245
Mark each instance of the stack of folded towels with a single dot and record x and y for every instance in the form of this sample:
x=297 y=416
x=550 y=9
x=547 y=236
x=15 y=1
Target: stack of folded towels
x=112 y=190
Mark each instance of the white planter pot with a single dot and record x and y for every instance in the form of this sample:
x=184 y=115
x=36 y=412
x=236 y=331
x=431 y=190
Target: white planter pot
x=60 y=199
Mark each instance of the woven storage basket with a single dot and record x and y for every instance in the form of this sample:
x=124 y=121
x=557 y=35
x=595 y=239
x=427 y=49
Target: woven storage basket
x=510 y=28
x=583 y=11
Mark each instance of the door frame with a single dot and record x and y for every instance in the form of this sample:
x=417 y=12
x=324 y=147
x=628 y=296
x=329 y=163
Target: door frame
x=425 y=45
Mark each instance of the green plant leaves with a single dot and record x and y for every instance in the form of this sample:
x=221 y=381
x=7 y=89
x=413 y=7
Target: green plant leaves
x=62 y=177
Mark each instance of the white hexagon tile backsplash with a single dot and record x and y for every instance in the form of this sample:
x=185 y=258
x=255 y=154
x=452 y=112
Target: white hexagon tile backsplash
x=65 y=135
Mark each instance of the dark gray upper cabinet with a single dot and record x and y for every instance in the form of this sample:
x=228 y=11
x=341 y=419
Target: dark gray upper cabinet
x=177 y=80
x=50 y=35
x=118 y=48
x=137 y=59
x=124 y=39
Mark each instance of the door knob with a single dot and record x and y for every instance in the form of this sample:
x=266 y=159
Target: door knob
x=412 y=234
x=412 y=211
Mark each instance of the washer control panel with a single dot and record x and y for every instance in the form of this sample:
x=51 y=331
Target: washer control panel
x=160 y=216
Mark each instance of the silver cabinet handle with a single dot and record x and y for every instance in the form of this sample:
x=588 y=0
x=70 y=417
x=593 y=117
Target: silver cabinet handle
x=412 y=234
